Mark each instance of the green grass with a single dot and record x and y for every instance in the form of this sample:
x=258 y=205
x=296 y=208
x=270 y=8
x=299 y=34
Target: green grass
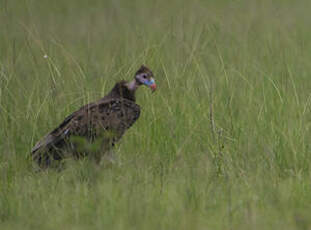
x=223 y=144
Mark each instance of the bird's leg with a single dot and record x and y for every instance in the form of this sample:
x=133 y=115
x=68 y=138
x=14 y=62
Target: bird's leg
x=111 y=157
x=97 y=158
x=105 y=159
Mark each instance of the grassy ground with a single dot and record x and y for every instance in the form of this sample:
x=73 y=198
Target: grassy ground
x=223 y=144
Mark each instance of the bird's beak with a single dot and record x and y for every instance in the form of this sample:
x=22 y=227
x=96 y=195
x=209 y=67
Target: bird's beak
x=151 y=83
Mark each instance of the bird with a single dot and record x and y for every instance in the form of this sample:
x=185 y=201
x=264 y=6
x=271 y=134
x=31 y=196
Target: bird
x=93 y=130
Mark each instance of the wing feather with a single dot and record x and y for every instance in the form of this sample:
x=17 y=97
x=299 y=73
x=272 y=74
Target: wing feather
x=106 y=115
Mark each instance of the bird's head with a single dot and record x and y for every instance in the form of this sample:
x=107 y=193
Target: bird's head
x=144 y=76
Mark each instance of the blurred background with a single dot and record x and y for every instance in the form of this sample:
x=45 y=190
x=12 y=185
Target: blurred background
x=222 y=144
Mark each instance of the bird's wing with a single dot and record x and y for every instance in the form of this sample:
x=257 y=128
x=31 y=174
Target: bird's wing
x=53 y=137
x=115 y=115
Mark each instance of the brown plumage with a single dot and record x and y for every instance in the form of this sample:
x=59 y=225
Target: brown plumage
x=94 y=129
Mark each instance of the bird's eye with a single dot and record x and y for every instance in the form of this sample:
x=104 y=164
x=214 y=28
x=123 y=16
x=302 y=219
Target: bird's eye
x=144 y=76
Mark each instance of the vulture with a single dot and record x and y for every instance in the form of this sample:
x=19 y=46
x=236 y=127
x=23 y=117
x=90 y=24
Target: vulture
x=93 y=130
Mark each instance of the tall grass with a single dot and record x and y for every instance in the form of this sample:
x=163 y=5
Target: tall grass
x=223 y=144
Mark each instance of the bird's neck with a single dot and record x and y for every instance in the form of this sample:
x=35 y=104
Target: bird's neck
x=132 y=85
x=123 y=89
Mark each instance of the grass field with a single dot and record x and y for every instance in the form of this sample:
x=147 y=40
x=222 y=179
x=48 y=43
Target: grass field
x=223 y=144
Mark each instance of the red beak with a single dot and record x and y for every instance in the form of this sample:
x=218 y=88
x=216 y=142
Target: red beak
x=153 y=87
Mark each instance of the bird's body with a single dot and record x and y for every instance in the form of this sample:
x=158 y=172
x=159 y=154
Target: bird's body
x=93 y=129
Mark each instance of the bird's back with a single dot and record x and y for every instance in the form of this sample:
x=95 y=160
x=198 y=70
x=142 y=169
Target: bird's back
x=96 y=126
